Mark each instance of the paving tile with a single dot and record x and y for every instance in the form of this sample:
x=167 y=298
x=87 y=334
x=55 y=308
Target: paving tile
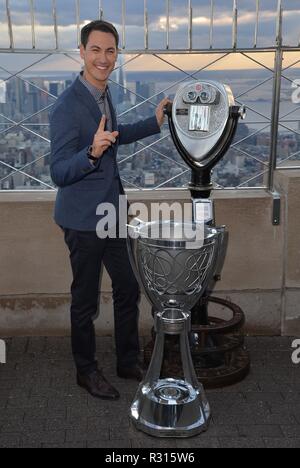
x=268 y=397
x=223 y=430
x=251 y=442
x=282 y=443
x=201 y=441
x=44 y=437
x=10 y=440
x=110 y=444
x=78 y=435
x=154 y=442
x=291 y=431
x=260 y=430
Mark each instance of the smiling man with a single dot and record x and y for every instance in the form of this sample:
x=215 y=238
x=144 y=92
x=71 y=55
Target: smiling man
x=84 y=141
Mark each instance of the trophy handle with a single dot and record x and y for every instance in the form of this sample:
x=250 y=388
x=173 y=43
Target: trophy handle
x=222 y=246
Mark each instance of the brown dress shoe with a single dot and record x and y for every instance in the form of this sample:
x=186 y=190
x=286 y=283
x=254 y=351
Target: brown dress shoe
x=97 y=385
x=134 y=373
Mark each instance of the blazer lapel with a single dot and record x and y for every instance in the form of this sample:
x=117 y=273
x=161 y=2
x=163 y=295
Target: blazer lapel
x=88 y=101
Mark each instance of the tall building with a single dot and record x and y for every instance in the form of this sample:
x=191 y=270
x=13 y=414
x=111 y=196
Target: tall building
x=119 y=92
x=2 y=92
x=33 y=101
x=53 y=88
x=145 y=90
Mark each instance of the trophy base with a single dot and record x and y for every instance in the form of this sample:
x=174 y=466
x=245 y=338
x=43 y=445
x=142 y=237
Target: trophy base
x=170 y=408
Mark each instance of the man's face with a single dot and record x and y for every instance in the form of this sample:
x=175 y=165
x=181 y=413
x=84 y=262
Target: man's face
x=99 y=57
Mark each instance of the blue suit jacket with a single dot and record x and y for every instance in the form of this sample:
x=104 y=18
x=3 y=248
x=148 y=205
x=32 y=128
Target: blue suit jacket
x=74 y=121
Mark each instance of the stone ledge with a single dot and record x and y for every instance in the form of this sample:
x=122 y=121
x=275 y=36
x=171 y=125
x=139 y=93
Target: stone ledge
x=140 y=195
x=34 y=315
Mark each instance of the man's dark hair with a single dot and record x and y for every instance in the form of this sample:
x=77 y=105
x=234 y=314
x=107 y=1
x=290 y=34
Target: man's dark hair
x=98 y=25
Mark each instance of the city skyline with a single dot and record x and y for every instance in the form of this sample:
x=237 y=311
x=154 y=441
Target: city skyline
x=148 y=62
x=148 y=168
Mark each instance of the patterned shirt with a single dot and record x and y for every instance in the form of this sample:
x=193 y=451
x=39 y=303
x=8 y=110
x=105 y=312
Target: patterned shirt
x=101 y=99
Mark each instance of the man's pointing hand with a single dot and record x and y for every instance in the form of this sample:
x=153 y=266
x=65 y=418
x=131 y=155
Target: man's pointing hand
x=103 y=139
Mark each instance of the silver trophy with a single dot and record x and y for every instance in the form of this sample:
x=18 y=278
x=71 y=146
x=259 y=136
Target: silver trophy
x=173 y=269
x=176 y=268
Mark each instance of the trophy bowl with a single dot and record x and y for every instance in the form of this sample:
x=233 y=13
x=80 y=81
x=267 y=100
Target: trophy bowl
x=173 y=263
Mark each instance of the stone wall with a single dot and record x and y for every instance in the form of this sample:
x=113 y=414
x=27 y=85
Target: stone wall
x=261 y=272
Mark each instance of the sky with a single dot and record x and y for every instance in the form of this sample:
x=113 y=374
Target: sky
x=134 y=33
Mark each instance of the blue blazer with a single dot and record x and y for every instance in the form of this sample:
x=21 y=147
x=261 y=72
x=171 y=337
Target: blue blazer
x=74 y=121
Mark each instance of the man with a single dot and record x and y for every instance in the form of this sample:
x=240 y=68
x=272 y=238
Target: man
x=84 y=143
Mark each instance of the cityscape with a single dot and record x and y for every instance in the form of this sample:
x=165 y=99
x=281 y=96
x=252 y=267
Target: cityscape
x=26 y=147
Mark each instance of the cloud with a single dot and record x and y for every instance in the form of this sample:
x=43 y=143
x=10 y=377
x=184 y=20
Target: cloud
x=221 y=20
x=157 y=22
x=67 y=29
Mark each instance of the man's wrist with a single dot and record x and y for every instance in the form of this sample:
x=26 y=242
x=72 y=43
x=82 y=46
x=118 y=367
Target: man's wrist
x=159 y=121
x=90 y=154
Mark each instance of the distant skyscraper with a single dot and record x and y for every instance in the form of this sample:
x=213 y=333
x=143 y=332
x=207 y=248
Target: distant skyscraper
x=2 y=92
x=145 y=90
x=120 y=92
x=53 y=88
x=120 y=76
x=33 y=100
x=15 y=96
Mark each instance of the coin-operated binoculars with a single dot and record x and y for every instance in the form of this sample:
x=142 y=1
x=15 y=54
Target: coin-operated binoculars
x=175 y=261
x=203 y=122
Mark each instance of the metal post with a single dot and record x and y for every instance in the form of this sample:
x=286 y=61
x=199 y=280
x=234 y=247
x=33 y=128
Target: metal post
x=146 y=26
x=54 y=12
x=276 y=98
x=190 y=30
x=32 y=23
x=101 y=12
x=212 y=13
x=256 y=23
x=9 y=22
x=279 y=24
x=234 y=25
x=124 y=24
x=77 y=8
x=168 y=23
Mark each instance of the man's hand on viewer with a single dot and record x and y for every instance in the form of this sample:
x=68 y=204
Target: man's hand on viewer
x=160 y=111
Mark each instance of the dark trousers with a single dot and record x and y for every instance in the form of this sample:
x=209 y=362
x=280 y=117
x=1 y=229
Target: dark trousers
x=87 y=253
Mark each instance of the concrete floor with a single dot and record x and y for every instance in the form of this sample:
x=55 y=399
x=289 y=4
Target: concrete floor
x=41 y=406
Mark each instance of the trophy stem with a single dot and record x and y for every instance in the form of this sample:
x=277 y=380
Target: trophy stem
x=156 y=363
